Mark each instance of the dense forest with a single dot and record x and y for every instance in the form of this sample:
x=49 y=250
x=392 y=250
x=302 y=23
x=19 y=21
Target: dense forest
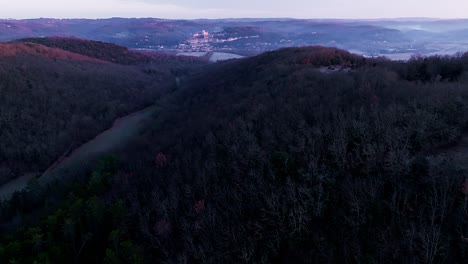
x=52 y=100
x=270 y=160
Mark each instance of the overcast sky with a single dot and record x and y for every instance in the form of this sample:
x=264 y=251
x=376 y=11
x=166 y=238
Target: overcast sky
x=233 y=8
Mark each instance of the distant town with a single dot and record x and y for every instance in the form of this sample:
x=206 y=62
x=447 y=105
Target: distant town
x=203 y=41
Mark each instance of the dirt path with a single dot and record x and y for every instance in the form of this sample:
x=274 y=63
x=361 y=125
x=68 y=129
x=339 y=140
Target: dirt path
x=120 y=133
x=7 y=189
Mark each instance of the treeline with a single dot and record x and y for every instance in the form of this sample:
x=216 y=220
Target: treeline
x=428 y=69
x=313 y=55
x=270 y=161
x=436 y=68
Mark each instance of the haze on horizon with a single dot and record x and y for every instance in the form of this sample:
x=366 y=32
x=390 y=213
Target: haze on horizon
x=190 y=9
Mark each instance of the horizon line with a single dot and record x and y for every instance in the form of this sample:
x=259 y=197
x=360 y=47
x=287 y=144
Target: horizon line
x=239 y=18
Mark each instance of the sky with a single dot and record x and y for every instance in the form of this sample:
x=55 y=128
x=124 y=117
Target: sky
x=189 y=9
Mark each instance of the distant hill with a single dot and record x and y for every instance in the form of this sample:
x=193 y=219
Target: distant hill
x=95 y=49
x=102 y=50
x=313 y=55
x=16 y=49
x=395 y=38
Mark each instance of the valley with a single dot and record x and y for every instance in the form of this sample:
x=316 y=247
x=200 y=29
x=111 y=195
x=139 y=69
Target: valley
x=207 y=132
x=122 y=131
x=294 y=154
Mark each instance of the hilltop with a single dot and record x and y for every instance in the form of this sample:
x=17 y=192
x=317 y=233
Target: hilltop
x=311 y=55
x=27 y=48
x=95 y=49
x=104 y=51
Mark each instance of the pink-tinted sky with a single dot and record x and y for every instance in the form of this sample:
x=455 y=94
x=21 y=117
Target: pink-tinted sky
x=233 y=8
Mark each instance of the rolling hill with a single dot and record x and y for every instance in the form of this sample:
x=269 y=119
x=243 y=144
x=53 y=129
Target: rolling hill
x=53 y=99
x=107 y=51
x=394 y=38
x=269 y=159
x=18 y=49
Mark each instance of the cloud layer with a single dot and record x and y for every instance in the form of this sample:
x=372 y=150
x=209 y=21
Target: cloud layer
x=233 y=8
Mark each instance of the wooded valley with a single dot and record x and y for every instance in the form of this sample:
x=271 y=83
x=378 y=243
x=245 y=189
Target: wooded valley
x=258 y=160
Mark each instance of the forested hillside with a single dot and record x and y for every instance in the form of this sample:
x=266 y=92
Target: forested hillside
x=270 y=160
x=106 y=51
x=52 y=100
